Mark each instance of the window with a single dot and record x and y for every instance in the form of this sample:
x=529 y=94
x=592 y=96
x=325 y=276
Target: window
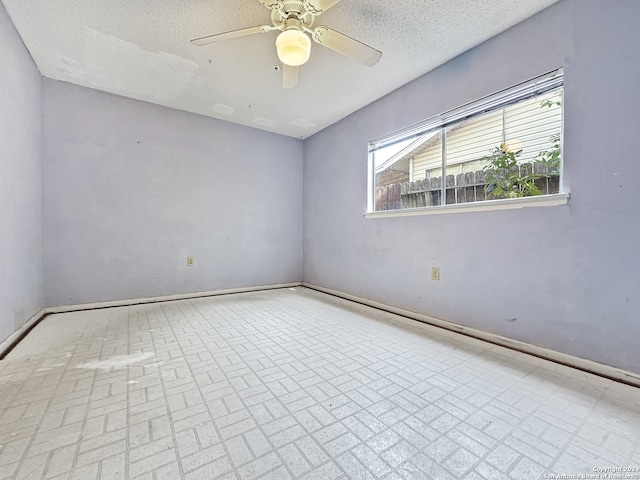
x=505 y=146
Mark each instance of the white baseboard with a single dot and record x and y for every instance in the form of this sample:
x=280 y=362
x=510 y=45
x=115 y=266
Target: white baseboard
x=166 y=298
x=542 y=352
x=8 y=342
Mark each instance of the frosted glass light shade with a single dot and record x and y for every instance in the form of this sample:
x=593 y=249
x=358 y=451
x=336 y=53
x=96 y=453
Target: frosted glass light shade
x=293 y=47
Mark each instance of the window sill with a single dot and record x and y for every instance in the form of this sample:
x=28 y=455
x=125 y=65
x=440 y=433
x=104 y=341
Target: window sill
x=507 y=204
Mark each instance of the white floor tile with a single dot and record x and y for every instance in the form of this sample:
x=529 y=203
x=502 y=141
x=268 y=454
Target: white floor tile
x=295 y=384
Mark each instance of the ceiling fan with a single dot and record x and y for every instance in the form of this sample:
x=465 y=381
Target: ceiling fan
x=294 y=19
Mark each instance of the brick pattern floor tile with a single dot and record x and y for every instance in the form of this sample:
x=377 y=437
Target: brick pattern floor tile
x=295 y=384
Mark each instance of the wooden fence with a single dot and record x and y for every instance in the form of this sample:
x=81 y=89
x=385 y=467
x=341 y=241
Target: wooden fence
x=462 y=188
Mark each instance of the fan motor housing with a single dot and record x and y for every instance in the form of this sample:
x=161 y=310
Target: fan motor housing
x=293 y=6
x=292 y=23
x=291 y=11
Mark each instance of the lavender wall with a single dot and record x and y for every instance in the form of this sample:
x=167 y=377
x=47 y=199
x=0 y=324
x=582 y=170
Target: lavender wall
x=570 y=275
x=131 y=189
x=20 y=182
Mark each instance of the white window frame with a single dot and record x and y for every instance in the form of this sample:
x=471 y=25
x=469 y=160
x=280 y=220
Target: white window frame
x=544 y=83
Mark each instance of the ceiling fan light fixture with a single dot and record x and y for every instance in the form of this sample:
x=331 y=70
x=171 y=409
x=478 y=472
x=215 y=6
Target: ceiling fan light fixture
x=294 y=47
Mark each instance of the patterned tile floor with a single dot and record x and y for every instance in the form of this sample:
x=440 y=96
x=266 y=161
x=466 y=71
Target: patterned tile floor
x=295 y=384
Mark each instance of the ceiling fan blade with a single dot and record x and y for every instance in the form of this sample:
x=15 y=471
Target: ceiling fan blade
x=243 y=32
x=289 y=76
x=346 y=45
x=270 y=4
x=318 y=7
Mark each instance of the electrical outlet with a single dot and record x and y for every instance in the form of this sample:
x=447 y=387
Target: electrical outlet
x=190 y=261
x=435 y=273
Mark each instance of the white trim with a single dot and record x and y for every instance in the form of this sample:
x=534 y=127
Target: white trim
x=166 y=298
x=7 y=342
x=505 y=204
x=538 y=351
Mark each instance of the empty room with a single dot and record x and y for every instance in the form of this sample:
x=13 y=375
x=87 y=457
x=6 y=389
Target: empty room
x=319 y=239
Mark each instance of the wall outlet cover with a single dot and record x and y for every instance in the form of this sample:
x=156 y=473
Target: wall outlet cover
x=435 y=273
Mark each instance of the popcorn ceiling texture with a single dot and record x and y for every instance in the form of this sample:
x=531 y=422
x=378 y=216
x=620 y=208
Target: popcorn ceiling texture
x=141 y=51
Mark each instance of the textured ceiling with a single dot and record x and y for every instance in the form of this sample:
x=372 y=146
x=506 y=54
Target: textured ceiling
x=141 y=50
